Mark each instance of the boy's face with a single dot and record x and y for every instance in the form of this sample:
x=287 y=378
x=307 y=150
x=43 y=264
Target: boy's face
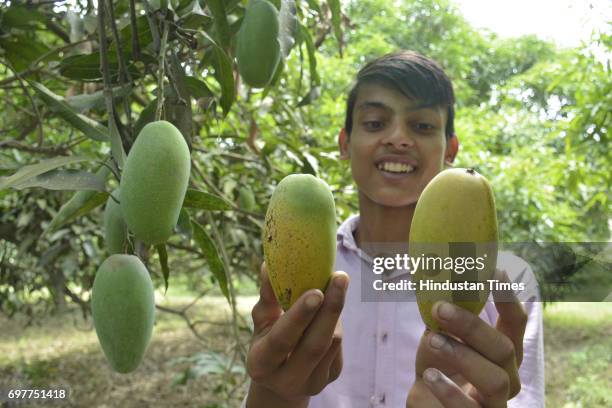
x=396 y=146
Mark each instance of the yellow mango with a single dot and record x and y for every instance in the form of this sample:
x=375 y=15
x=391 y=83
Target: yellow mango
x=299 y=237
x=455 y=218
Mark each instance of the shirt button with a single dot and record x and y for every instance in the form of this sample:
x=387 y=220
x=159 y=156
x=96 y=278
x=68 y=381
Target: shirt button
x=373 y=401
x=384 y=337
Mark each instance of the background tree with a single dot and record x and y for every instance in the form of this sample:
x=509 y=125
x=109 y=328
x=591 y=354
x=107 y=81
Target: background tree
x=532 y=118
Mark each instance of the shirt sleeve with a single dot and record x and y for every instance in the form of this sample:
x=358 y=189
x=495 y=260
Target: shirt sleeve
x=531 y=371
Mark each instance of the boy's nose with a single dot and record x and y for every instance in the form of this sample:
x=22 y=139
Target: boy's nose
x=399 y=137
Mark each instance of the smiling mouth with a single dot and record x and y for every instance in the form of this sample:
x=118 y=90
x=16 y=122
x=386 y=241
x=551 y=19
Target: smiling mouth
x=395 y=168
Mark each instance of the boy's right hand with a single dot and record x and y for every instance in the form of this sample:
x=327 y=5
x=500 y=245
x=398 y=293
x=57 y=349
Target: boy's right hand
x=295 y=354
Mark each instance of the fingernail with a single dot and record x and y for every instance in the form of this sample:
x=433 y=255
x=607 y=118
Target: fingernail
x=437 y=341
x=431 y=375
x=313 y=301
x=446 y=310
x=340 y=282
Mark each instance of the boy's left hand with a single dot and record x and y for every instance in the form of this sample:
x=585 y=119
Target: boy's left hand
x=477 y=368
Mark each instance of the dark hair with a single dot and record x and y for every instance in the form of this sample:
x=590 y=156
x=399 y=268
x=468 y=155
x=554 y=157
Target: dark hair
x=414 y=76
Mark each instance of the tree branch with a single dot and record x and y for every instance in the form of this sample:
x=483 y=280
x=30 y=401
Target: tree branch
x=124 y=75
x=58 y=30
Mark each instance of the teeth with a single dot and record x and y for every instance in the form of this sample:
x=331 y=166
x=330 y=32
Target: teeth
x=395 y=167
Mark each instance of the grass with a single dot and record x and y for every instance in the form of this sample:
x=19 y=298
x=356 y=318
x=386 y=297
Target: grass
x=578 y=357
x=62 y=351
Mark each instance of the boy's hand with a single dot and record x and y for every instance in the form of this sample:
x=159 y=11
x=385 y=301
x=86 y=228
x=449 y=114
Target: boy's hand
x=297 y=353
x=479 y=368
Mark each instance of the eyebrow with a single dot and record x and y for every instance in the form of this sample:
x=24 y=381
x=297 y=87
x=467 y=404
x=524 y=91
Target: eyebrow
x=381 y=105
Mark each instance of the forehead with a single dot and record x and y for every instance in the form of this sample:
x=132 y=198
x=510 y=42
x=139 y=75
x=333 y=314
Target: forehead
x=372 y=95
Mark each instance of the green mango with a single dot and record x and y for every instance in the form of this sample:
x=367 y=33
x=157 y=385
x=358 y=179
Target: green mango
x=154 y=182
x=246 y=199
x=455 y=217
x=115 y=229
x=123 y=310
x=299 y=237
x=258 y=51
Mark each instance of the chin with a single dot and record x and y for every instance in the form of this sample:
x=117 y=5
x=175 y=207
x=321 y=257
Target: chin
x=393 y=199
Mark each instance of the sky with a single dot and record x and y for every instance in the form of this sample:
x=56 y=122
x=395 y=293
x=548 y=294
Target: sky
x=566 y=22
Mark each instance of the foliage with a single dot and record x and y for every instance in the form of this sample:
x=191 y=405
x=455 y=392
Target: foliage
x=534 y=119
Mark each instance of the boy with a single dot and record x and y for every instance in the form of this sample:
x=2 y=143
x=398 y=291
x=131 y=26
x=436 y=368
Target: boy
x=337 y=351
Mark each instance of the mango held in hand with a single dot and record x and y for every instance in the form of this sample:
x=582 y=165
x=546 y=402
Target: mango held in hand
x=299 y=237
x=123 y=309
x=455 y=218
x=115 y=230
x=257 y=49
x=154 y=182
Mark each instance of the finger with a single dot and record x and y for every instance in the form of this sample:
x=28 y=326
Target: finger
x=421 y=396
x=476 y=333
x=271 y=351
x=320 y=376
x=266 y=292
x=446 y=391
x=512 y=319
x=336 y=366
x=491 y=380
x=266 y=310
x=317 y=339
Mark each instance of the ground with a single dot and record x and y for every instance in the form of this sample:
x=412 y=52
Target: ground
x=62 y=351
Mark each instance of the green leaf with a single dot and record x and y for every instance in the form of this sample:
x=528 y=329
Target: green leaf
x=163 y=261
x=64 y=180
x=178 y=103
x=89 y=127
x=311 y=164
x=205 y=201
x=312 y=59
x=81 y=203
x=287 y=26
x=217 y=9
x=30 y=171
x=310 y=97
x=143 y=33
x=193 y=17
x=95 y=100
x=314 y=4
x=87 y=67
x=198 y=88
x=183 y=225
x=21 y=51
x=18 y=16
x=224 y=75
x=334 y=6
x=146 y=116
x=208 y=248
x=116 y=144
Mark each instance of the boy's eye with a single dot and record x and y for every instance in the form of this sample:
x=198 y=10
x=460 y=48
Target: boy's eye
x=424 y=126
x=373 y=125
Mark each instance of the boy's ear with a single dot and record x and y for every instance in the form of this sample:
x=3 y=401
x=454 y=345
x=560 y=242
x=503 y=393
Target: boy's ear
x=452 y=147
x=343 y=141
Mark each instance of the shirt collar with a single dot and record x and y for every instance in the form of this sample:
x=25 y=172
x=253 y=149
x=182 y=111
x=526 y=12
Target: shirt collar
x=345 y=237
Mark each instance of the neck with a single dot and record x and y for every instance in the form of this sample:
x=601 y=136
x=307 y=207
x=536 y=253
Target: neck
x=382 y=224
